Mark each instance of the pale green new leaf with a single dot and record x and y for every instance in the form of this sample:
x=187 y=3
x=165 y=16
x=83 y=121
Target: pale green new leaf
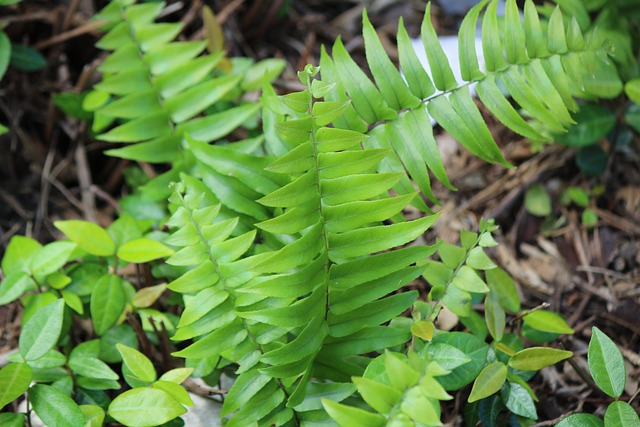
x=142 y=407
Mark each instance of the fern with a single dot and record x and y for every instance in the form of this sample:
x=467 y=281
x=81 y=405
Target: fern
x=157 y=90
x=531 y=64
x=296 y=313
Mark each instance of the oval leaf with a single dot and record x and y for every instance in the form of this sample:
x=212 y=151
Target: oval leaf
x=535 y=358
x=547 y=321
x=142 y=407
x=606 y=364
x=107 y=303
x=89 y=237
x=621 y=414
x=42 y=331
x=55 y=408
x=15 y=379
x=489 y=381
x=138 y=363
x=143 y=250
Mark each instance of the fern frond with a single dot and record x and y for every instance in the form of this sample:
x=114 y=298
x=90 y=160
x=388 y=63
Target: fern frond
x=531 y=63
x=156 y=90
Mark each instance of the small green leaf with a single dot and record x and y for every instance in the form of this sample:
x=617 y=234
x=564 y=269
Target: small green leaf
x=348 y=416
x=51 y=257
x=25 y=58
x=478 y=260
x=177 y=375
x=42 y=330
x=489 y=381
x=518 y=400
x=468 y=280
x=606 y=364
x=143 y=250
x=55 y=408
x=631 y=88
x=94 y=415
x=547 y=321
x=621 y=414
x=73 y=301
x=5 y=53
x=535 y=358
x=537 y=201
x=138 y=363
x=15 y=379
x=580 y=420
x=19 y=254
x=174 y=390
x=107 y=302
x=89 y=237
x=141 y=407
x=423 y=329
x=14 y=285
x=92 y=367
x=504 y=286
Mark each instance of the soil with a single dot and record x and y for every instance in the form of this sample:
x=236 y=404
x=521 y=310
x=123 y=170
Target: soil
x=51 y=168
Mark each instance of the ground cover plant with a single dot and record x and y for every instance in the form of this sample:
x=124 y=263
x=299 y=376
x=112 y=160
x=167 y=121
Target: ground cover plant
x=283 y=258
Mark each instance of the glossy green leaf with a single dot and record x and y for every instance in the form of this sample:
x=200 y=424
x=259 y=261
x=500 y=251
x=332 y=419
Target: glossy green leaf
x=13 y=286
x=89 y=237
x=54 y=407
x=42 y=330
x=505 y=288
x=472 y=347
x=92 y=367
x=518 y=400
x=631 y=88
x=137 y=363
x=107 y=302
x=142 y=407
x=494 y=316
x=606 y=364
x=143 y=250
x=468 y=280
x=15 y=379
x=580 y=420
x=174 y=390
x=93 y=414
x=489 y=381
x=51 y=257
x=547 y=321
x=348 y=416
x=621 y=414
x=536 y=358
